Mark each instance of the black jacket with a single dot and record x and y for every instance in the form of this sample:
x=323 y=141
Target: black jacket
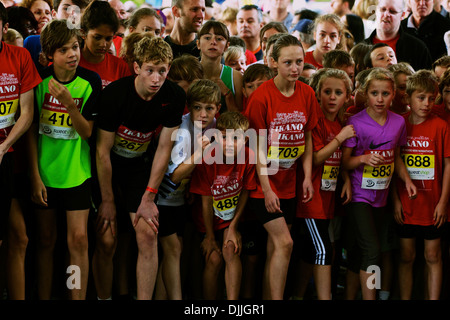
x=431 y=31
x=409 y=49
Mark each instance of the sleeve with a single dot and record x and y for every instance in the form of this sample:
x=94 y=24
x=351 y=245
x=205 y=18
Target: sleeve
x=314 y=108
x=108 y=115
x=446 y=141
x=351 y=142
x=250 y=177
x=176 y=105
x=30 y=75
x=90 y=108
x=200 y=181
x=180 y=150
x=257 y=110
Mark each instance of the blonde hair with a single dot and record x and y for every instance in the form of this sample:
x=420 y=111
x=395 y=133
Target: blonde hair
x=363 y=8
x=379 y=74
x=185 y=67
x=424 y=80
x=330 y=18
x=205 y=91
x=232 y=120
x=11 y=35
x=233 y=53
x=153 y=49
x=129 y=43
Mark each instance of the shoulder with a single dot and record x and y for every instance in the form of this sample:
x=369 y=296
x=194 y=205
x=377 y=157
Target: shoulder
x=89 y=75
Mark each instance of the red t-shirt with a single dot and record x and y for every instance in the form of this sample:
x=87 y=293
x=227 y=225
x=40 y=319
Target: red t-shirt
x=274 y=115
x=441 y=112
x=18 y=75
x=309 y=58
x=250 y=57
x=117 y=41
x=110 y=69
x=391 y=43
x=324 y=176
x=224 y=182
x=428 y=143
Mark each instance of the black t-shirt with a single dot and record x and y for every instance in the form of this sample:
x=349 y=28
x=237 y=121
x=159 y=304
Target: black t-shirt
x=178 y=50
x=135 y=121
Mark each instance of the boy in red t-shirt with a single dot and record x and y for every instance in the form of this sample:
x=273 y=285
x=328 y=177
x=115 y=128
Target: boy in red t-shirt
x=427 y=158
x=223 y=180
x=18 y=77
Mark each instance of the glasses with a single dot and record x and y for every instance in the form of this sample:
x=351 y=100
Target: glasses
x=392 y=12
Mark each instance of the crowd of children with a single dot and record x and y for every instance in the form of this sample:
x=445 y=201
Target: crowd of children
x=146 y=173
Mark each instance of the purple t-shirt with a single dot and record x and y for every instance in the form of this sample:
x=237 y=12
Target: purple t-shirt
x=371 y=185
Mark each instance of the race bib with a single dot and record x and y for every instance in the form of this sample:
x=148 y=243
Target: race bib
x=286 y=156
x=331 y=171
x=8 y=111
x=55 y=121
x=226 y=208
x=131 y=143
x=379 y=178
x=419 y=166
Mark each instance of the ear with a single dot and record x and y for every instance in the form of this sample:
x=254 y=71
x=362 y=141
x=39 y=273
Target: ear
x=83 y=34
x=54 y=13
x=136 y=68
x=176 y=12
x=131 y=29
x=163 y=29
x=5 y=28
x=244 y=93
x=218 y=108
x=198 y=44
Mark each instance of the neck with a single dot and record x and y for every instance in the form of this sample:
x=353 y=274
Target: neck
x=417 y=20
x=252 y=43
x=414 y=119
x=211 y=67
x=318 y=56
x=330 y=116
x=89 y=57
x=278 y=14
x=180 y=36
x=386 y=36
x=286 y=87
x=380 y=118
x=64 y=75
x=144 y=94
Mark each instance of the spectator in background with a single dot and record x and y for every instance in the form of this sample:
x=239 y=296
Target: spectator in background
x=169 y=20
x=343 y=9
x=390 y=30
x=303 y=32
x=249 y=22
x=278 y=12
x=119 y=8
x=268 y=30
x=228 y=17
x=22 y=20
x=41 y=9
x=366 y=9
x=427 y=25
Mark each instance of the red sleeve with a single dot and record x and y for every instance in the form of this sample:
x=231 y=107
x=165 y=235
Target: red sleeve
x=312 y=105
x=30 y=76
x=318 y=136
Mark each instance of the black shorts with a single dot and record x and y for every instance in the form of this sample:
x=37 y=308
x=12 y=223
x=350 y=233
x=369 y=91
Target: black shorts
x=172 y=219
x=254 y=237
x=129 y=182
x=408 y=231
x=287 y=206
x=76 y=198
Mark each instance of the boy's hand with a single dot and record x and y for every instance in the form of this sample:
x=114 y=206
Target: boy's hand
x=208 y=246
x=398 y=211
x=106 y=217
x=272 y=202
x=148 y=211
x=235 y=238
x=440 y=215
x=39 y=192
x=308 y=190
x=60 y=92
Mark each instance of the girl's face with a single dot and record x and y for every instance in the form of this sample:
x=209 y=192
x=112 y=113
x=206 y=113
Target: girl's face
x=149 y=24
x=289 y=63
x=212 y=45
x=238 y=64
x=99 y=40
x=42 y=12
x=327 y=37
x=400 y=91
x=446 y=97
x=380 y=94
x=333 y=95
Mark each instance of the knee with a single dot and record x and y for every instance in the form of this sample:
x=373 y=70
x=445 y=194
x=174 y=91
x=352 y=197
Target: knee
x=432 y=256
x=228 y=251
x=106 y=246
x=18 y=242
x=78 y=241
x=146 y=238
x=407 y=256
x=47 y=240
x=214 y=260
x=285 y=245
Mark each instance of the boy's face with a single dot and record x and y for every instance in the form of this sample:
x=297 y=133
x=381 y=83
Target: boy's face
x=232 y=142
x=421 y=103
x=446 y=97
x=439 y=71
x=250 y=87
x=68 y=56
x=400 y=84
x=238 y=64
x=383 y=57
x=151 y=76
x=204 y=112
x=350 y=71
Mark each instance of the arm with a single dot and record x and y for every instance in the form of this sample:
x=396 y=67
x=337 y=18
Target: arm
x=440 y=213
x=209 y=243
x=350 y=162
x=271 y=200
x=308 y=189
x=147 y=208
x=81 y=125
x=233 y=233
x=346 y=188
x=403 y=174
x=107 y=210
x=238 y=85
x=323 y=154
x=26 y=102
x=38 y=189
x=398 y=207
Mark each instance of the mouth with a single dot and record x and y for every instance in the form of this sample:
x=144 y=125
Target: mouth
x=72 y=63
